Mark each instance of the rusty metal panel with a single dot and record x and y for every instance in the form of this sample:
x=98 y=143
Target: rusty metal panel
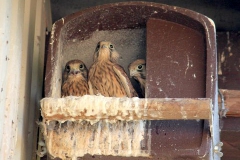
x=177 y=67
x=176 y=61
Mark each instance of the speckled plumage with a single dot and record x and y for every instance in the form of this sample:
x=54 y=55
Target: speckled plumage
x=106 y=77
x=137 y=70
x=75 y=79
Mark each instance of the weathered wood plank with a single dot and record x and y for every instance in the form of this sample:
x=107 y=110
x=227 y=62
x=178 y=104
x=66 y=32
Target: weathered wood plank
x=231 y=102
x=111 y=108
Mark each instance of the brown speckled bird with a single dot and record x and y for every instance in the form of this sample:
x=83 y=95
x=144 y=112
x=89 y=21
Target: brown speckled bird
x=106 y=77
x=75 y=79
x=137 y=70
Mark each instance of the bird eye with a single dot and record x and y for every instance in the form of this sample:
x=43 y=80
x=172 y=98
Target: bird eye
x=111 y=46
x=140 y=67
x=67 y=68
x=81 y=66
x=98 y=46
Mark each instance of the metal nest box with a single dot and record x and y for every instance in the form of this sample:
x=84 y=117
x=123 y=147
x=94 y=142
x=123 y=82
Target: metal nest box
x=177 y=119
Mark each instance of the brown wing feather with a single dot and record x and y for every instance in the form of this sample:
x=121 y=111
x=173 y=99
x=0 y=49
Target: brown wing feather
x=104 y=80
x=123 y=78
x=90 y=88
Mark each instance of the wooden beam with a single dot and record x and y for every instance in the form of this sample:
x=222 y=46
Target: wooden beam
x=231 y=102
x=112 y=108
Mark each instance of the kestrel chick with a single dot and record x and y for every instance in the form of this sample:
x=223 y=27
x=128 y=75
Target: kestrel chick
x=137 y=70
x=106 y=76
x=75 y=79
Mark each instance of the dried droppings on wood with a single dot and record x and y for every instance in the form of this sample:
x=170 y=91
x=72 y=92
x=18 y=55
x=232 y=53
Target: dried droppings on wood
x=98 y=125
x=95 y=108
x=75 y=139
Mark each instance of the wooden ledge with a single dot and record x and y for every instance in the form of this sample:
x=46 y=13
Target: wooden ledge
x=231 y=102
x=96 y=108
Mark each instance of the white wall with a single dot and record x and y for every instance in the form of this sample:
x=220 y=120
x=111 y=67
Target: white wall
x=22 y=44
x=11 y=16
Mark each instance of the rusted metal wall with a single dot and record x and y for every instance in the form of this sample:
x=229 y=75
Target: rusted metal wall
x=229 y=78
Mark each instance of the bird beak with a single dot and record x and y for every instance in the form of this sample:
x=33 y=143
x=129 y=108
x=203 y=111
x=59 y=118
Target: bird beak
x=104 y=46
x=133 y=73
x=74 y=72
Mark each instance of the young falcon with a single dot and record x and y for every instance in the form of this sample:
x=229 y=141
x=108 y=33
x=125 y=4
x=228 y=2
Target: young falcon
x=106 y=77
x=75 y=79
x=137 y=70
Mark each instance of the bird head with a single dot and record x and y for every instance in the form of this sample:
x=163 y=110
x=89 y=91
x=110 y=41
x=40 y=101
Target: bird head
x=137 y=69
x=75 y=69
x=105 y=51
